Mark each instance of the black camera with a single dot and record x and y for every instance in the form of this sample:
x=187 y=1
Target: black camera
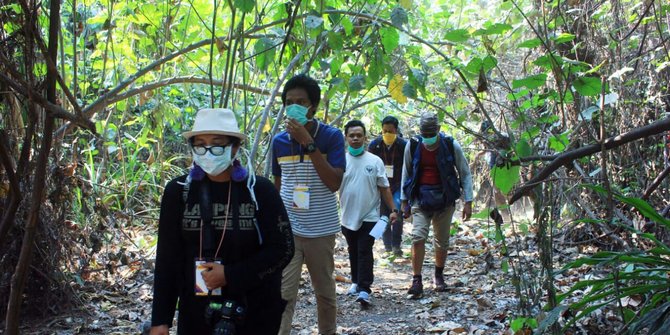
x=224 y=316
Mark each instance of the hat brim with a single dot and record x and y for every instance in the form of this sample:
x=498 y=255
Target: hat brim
x=190 y=134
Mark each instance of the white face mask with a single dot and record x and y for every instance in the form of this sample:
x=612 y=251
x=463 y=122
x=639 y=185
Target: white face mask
x=214 y=165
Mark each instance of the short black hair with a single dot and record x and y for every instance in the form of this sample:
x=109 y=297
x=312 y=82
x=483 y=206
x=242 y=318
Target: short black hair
x=390 y=120
x=305 y=82
x=354 y=123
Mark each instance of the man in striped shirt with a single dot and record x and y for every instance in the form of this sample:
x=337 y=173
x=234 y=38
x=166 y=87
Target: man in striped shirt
x=308 y=163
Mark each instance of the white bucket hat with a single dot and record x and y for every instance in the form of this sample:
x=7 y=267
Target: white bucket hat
x=218 y=121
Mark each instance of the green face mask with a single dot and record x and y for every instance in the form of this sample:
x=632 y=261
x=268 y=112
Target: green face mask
x=429 y=140
x=356 y=151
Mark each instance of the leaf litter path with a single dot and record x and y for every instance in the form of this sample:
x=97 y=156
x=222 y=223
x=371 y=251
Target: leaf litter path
x=479 y=299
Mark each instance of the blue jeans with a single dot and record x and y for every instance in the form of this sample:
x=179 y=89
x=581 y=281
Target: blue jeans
x=392 y=236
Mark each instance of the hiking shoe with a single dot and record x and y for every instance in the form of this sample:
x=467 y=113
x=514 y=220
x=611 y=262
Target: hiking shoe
x=353 y=289
x=416 y=291
x=397 y=251
x=363 y=298
x=440 y=285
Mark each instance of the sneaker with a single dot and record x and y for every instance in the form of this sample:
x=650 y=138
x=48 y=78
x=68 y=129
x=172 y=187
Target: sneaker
x=397 y=251
x=353 y=289
x=416 y=291
x=440 y=286
x=363 y=298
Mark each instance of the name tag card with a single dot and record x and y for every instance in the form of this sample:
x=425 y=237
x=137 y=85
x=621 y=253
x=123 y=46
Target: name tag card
x=389 y=171
x=200 y=286
x=301 y=197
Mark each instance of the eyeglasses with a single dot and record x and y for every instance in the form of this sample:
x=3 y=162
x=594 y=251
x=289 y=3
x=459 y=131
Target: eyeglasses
x=216 y=150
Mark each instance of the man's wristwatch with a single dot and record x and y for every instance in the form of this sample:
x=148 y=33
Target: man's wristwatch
x=310 y=147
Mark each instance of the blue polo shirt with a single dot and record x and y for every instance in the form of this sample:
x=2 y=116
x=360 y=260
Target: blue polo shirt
x=295 y=168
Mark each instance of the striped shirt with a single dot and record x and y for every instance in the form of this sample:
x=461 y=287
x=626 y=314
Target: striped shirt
x=295 y=168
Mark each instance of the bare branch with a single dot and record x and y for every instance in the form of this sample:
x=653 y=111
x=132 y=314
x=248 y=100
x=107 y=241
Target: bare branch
x=612 y=142
x=181 y=80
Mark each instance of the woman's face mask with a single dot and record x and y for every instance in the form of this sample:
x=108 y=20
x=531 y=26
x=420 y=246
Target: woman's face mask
x=298 y=113
x=214 y=165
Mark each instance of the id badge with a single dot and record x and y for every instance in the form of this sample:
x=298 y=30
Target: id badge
x=200 y=286
x=301 y=197
x=389 y=171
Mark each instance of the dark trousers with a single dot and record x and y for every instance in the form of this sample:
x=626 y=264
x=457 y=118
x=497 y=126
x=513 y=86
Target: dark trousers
x=359 y=245
x=392 y=236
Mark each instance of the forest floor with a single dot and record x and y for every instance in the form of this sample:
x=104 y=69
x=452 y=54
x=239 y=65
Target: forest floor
x=480 y=298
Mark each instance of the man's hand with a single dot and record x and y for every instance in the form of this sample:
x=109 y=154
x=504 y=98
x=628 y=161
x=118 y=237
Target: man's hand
x=467 y=211
x=214 y=277
x=160 y=330
x=406 y=210
x=393 y=217
x=298 y=132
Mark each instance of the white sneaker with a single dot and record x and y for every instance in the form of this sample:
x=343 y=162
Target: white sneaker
x=353 y=290
x=363 y=298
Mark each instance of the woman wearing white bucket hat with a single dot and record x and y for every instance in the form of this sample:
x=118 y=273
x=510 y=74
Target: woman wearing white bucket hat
x=223 y=240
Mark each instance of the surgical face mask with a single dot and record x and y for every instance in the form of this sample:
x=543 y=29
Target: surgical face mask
x=356 y=151
x=389 y=138
x=298 y=113
x=428 y=141
x=214 y=165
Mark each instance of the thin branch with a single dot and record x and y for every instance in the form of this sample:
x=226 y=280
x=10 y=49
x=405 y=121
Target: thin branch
x=654 y=185
x=181 y=80
x=612 y=142
x=53 y=109
x=14 y=190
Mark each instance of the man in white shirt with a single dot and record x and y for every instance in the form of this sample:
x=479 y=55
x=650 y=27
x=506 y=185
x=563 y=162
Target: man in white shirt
x=363 y=185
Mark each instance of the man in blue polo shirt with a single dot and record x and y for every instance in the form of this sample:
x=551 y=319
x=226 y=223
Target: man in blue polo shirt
x=308 y=163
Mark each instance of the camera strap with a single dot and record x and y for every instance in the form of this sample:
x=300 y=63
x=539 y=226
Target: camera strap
x=206 y=229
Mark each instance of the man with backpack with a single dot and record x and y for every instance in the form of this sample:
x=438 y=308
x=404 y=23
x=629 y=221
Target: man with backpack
x=435 y=172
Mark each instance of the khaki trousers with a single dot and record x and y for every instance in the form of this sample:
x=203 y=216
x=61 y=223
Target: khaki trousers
x=317 y=254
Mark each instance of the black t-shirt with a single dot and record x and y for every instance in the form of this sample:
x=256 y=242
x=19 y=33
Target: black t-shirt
x=254 y=251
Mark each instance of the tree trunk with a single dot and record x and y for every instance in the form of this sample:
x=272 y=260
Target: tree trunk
x=39 y=183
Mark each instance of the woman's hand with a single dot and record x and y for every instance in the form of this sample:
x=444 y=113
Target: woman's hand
x=214 y=276
x=160 y=330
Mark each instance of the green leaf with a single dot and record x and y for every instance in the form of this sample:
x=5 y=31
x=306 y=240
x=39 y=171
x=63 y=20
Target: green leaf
x=335 y=41
x=531 y=82
x=265 y=53
x=504 y=266
x=246 y=6
x=390 y=38
x=347 y=25
x=564 y=38
x=558 y=142
x=457 y=35
x=517 y=324
x=495 y=29
x=356 y=83
x=489 y=63
x=399 y=16
x=530 y=44
x=408 y=90
x=504 y=178
x=483 y=215
x=417 y=78
x=588 y=86
x=523 y=148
